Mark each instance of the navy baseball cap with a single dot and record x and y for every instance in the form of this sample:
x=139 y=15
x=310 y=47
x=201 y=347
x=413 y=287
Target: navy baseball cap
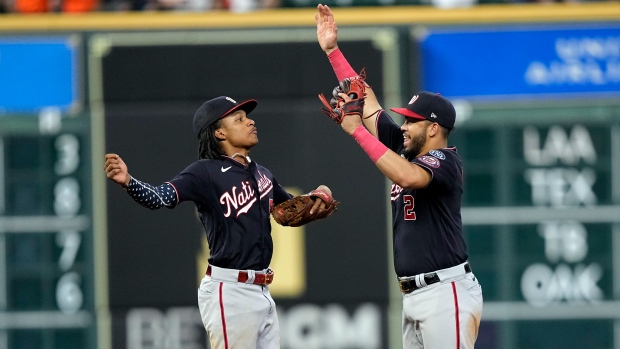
x=216 y=108
x=429 y=106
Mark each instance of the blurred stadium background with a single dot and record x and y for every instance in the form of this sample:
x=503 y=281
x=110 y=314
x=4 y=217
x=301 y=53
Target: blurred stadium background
x=537 y=90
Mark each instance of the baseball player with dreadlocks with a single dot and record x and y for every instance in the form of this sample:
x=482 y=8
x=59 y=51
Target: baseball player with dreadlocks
x=442 y=300
x=234 y=197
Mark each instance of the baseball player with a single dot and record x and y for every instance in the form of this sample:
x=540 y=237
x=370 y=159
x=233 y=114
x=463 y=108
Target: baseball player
x=234 y=197
x=442 y=300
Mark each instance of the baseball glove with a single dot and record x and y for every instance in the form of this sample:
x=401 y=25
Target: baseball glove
x=295 y=212
x=355 y=88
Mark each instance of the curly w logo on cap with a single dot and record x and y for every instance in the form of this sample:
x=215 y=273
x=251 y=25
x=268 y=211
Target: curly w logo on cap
x=429 y=106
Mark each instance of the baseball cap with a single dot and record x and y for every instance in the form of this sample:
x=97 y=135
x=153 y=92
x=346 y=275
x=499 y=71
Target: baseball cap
x=216 y=108
x=429 y=106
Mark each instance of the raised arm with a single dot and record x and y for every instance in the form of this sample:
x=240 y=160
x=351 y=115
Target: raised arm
x=326 y=29
x=327 y=35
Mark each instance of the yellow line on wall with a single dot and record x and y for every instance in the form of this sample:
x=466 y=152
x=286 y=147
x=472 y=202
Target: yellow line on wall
x=303 y=17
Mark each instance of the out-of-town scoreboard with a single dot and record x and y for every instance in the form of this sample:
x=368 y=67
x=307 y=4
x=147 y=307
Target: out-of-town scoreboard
x=46 y=250
x=539 y=134
x=542 y=222
x=46 y=244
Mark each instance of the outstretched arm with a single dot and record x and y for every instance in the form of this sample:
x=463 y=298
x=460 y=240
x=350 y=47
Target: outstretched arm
x=145 y=194
x=327 y=34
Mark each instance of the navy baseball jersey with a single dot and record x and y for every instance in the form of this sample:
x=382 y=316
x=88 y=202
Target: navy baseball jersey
x=234 y=202
x=426 y=222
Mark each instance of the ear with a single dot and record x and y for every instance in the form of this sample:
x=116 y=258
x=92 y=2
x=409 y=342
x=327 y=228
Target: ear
x=433 y=129
x=219 y=134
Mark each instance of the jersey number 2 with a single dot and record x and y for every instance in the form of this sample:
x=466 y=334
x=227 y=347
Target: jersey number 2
x=409 y=212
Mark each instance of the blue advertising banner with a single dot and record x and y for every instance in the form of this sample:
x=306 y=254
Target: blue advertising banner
x=37 y=72
x=503 y=63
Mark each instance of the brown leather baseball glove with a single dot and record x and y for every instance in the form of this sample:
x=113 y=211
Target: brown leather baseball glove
x=355 y=88
x=295 y=212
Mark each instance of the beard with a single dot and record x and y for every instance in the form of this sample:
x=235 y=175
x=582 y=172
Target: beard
x=415 y=146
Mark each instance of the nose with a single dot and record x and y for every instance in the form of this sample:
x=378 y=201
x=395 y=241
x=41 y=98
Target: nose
x=251 y=122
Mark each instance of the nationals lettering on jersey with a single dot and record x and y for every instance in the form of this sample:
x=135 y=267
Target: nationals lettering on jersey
x=243 y=198
x=426 y=222
x=395 y=192
x=230 y=198
x=264 y=185
x=241 y=201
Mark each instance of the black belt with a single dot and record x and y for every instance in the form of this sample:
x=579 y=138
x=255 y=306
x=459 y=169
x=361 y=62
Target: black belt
x=409 y=285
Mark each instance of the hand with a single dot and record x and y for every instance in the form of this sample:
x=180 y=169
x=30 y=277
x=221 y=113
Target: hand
x=349 y=121
x=320 y=203
x=326 y=29
x=116 y=170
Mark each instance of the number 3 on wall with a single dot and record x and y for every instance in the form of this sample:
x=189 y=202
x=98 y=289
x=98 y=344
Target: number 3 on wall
x=409 y=212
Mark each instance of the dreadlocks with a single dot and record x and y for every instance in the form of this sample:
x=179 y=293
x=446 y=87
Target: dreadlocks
x=209 y=146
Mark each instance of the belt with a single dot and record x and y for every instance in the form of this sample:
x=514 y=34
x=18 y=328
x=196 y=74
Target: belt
x=260 y=278
x=410 y=284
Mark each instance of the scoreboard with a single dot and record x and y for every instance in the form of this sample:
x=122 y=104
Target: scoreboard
x=540 y=140
x=46 y=238
x=46 y=251
x=542 y=222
